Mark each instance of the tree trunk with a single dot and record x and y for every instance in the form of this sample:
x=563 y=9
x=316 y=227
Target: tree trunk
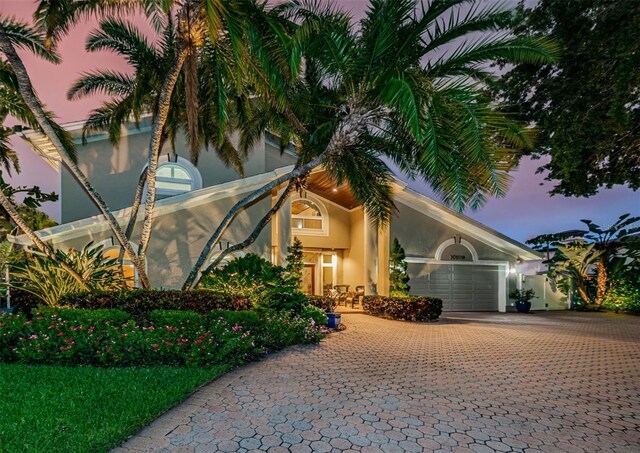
x=164 y=104
x=254 y=234
x=345 y=135
x=32 y=101
x=601 y=282
x=44 y=248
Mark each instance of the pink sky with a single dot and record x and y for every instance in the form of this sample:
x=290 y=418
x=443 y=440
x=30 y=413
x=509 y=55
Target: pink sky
x=526 y=211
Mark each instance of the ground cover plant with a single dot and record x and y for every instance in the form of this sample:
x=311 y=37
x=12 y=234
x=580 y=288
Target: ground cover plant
x=87 y=409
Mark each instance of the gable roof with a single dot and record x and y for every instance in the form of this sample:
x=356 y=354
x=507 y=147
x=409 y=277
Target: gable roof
x=437 y=211
x=402 y=193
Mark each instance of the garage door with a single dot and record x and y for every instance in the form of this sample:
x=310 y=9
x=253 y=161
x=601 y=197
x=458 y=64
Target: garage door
x=461 y=287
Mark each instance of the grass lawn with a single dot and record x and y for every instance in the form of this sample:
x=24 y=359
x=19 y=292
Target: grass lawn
x=50 y=408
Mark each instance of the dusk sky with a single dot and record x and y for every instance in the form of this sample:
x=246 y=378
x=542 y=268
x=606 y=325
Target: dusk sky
x=526 y=211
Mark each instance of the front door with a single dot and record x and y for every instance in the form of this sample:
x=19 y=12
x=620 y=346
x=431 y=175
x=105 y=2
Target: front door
x=308 y=279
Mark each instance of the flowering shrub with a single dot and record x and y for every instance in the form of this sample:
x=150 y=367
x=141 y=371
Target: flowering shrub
x=176 y=338
x=412 y=308
x=140 y=302
x=323 y=302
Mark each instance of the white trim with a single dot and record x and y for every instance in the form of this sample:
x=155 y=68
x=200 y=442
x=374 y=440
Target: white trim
x=464 y=242
x=97 y=224
x=324 y=216
x=421 y=260
x=503 y=274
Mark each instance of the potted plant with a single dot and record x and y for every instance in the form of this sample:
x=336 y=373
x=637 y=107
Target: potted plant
x=333 y=319
x=523 y=299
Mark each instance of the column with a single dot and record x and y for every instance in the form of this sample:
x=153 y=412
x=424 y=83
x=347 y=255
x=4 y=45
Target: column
x=370 y=257
x=383 y=260
x=283 y=230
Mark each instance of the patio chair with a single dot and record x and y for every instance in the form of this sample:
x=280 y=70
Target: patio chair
x=342 y=292
x=355 y=297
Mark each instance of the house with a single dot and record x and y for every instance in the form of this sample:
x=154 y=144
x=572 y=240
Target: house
x=470 y=266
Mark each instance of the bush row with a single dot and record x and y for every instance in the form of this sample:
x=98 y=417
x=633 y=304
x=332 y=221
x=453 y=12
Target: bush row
x=141 y=302
x=177 y=338
x=411 y=308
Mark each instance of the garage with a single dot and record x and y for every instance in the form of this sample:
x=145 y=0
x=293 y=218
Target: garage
x=462 y=287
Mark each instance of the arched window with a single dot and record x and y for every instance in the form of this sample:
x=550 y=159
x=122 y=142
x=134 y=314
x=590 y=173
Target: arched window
x=176 y=177
x=309 y=217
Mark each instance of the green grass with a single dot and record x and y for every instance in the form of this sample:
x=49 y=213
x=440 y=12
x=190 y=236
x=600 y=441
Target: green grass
x=51 y=409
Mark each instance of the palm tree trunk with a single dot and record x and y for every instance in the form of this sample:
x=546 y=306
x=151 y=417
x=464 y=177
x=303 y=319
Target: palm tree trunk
x=32 y=101
x=601 y=282
x=44 y=248
x=164 y=103
x=345 y=135
x=254 y=234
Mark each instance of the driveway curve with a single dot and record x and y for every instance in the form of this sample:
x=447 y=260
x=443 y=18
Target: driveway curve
x=551 y=382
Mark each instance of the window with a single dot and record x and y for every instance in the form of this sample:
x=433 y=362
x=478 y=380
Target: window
x=176 y=177
x=308 y=217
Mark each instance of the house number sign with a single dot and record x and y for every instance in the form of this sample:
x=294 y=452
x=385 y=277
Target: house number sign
x=458 y=257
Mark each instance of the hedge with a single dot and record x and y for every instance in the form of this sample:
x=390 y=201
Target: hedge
x=411 y=308
x=141 y=302
x=169 y=338
x=322 y=302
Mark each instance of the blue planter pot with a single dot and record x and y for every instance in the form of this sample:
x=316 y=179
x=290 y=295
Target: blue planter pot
x=334 y=320
x=523 y=306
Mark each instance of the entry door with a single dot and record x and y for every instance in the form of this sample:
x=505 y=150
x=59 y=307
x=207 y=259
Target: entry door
x=308 y=279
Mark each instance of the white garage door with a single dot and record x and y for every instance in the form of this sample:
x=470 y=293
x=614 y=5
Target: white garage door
x=461 y=287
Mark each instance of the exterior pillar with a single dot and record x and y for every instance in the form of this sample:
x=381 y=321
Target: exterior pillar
x=370 y=257
x=502 y=287
x=383 y=260
x=283 y=229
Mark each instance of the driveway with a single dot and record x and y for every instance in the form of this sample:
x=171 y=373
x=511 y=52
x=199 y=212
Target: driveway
x=552 y=382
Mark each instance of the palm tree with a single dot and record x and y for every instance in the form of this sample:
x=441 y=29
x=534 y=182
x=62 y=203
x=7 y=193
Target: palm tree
x=387 y=90
x=137 y=94
x=197 y=20
x=11 y=103
x=13 y=34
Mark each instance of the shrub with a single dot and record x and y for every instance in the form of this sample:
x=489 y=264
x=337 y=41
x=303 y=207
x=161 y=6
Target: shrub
x=250 y=276
x=140 y=302
x=277 y=331
x=47 y=281
x=312 y=312
x=169 y=338
x=323 y=302
x=284 y=301
x=412 y=308
x=624 y=296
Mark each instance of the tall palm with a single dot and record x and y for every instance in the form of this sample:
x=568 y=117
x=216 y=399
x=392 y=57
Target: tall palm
x=12 y=104
x=196 y=20
x=386 y=90
x=137 y=94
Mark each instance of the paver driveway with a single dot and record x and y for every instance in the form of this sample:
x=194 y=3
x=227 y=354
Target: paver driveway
x=472 y=382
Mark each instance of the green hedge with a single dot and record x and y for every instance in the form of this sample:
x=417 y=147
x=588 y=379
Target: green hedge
x=175 y=338
x=141 y=302
x=322 y=302
x=411 y=308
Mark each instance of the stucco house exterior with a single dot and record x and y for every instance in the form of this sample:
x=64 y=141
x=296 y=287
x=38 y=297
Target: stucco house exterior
x=470 y=266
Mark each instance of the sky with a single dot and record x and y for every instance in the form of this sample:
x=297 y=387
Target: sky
x=526 y=211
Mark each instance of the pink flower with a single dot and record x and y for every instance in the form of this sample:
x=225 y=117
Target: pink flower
x=155 y=345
